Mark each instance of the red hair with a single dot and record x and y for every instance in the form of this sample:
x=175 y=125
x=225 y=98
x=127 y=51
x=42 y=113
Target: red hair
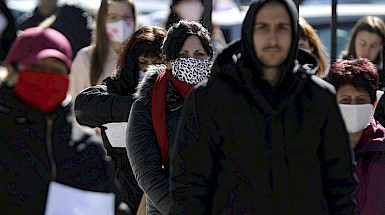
x=358 y=72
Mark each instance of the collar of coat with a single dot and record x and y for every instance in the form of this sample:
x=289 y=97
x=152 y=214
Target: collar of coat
x=174 y=100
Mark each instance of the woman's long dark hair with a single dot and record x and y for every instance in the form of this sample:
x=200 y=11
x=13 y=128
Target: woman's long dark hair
x=147 y=40
x=371 y=24
x=9 y=33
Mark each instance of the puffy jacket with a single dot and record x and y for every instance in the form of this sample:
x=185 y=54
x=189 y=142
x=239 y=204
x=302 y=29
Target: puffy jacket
x=37 y=148
x=142 y=144
x=244 y=147
x=370 y=158
x=105 y=103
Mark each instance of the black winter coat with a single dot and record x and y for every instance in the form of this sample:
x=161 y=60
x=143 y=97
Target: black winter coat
x=105 y=103
x=37 y=148
x=238 y=154
x=244 y=147
x=142 y=145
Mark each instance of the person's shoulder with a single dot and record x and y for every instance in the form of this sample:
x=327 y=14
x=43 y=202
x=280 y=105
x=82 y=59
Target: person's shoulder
x=87 y=51
x=227 y=62
x=72 y=8
x=84 y=53
x=322 y=84
x=230 y=54
x=72 y=17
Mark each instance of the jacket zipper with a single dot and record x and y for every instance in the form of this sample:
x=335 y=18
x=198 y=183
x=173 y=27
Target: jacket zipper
x=49 y=147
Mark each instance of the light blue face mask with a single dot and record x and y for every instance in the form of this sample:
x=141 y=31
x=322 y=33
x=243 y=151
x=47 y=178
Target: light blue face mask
x=141 y=75
x=3 y=24
x=190 y=70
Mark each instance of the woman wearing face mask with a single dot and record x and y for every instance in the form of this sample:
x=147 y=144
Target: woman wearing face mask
x=154 y=116
x=115 y=23
x=367 y=41
x=7 y=30
x=356 y=82
x=111 y=101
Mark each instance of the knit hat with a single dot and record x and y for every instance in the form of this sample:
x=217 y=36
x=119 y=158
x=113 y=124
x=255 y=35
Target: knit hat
x=37 y=43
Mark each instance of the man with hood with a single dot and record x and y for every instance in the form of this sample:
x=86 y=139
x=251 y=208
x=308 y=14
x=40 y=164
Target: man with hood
x=263 y=135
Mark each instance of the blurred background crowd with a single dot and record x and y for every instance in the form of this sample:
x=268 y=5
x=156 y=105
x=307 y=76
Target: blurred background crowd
x=113 y=42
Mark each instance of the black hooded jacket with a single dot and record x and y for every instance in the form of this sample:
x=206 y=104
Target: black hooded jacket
x=243 y=147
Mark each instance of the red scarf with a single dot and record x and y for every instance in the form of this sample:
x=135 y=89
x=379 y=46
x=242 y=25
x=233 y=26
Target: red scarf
x=158 y=106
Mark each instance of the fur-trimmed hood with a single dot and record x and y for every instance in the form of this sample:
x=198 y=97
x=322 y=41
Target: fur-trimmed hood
x=144 y=88
x=174 y=100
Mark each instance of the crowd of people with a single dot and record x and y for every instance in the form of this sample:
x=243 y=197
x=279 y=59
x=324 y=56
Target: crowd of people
x=170 y=119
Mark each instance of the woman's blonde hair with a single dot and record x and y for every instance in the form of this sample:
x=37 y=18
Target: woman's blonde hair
x=309 y=33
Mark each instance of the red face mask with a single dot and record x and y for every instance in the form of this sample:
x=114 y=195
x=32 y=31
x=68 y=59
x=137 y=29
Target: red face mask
x=45 y=90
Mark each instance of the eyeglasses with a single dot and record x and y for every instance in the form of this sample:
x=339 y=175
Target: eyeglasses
x=115 y=17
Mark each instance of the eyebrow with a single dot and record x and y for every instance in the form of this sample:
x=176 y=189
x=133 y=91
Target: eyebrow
x=344 y=95
x=183 y=50
x=360 y=95
x=363 y=40
x=115 y=14
x=265 y=23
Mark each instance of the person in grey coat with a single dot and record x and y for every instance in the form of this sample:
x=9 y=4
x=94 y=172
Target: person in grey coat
x=187 y=51
x=262 y=135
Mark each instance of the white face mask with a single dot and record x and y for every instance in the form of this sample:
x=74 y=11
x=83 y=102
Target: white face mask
x=356 y=117
x=191 y=10
x=190 y=70
x=141 y=75
x=119 y=31
x=3 y=24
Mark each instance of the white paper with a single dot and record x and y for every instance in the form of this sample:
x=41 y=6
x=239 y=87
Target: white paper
x=116 y=133
x=66 y=200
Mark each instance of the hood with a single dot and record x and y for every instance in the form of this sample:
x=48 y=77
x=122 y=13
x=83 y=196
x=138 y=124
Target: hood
x=306 y=62
x=249 y=59
x=372 y=138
